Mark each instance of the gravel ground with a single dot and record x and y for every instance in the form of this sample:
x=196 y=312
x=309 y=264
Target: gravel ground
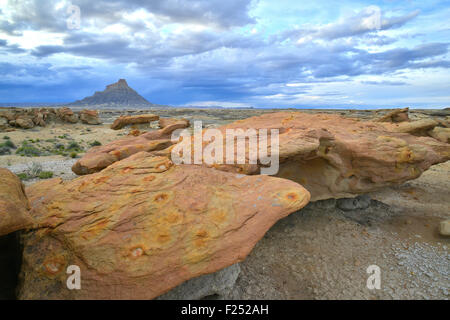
x=60 y=168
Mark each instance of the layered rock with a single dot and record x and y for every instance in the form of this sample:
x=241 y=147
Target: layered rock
x=124 y=121
x=89 y=117
x=98 y=158
x=14 y=205
x=441 y=134
x=67 y=115
x=165 y=122
x=332 y=156
x=116 y=94
x=398 y=115
x=143 y=226
x=337 y=157
x=417 y=128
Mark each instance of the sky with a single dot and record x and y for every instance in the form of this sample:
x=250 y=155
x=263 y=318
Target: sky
x=233 y=53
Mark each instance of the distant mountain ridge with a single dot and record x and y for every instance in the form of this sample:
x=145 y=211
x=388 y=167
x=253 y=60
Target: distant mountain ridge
x=118 y=94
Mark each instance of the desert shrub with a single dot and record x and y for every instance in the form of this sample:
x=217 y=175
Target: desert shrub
x=6 y=137
x=27 y=150
x=59 y=146
x=4 y=150
x=23 y=176
x=9 y=144
x=45 y=175
x=34 y=169
x=95 y=143
x=73 y=154
x=74 y=146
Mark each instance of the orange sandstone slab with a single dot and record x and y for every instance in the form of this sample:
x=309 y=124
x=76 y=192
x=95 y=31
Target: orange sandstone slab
x=337 y=157
x=98 y=158
x=124 y=121
x=13 y=204
x=143 y=226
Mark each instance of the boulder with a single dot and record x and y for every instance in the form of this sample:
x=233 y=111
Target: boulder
x=359 y=203
x=99 y=158
x=14 y=205
x=66 y=115
x=165 y=122
x=441 y=134
x=89 y=117
x=3 y=124
x=143 y=226
x=39 y=119
x=398 y=115
x=417 y=128
x=24 y=122
x=124 y=121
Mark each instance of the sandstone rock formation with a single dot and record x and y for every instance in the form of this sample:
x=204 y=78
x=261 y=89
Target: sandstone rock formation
x=332 y=156
x=165 y=122
x=441 y=134
x=98 y=158
x=417 y=128
x=13 y=204
x=124 y=121
x=89 y=117
x=143 y=226
x=29 y=118
x=399 y=115
x=24 y=123
x=67 y=115
x=337 y=157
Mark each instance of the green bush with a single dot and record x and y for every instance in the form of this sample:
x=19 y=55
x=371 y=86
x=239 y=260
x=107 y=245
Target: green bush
x=74 y=146
x=6 y=137
x=73 y=154
x=95 y=143
x=23 y=176
x=9 y=144
x=4 y=151
x=27 y=150
x=45 y=175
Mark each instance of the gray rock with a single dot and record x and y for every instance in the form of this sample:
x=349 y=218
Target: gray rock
x=359 y=203
x=323 y=204
x=218 y=284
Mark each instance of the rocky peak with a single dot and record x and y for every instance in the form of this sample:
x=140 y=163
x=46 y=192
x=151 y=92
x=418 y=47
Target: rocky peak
x=121 y=84
x=118 y=94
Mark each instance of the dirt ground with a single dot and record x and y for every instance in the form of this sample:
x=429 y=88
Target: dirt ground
x=322 y=252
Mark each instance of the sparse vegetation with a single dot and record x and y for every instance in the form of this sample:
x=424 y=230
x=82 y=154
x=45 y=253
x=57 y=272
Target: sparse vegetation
x=33 y=171
x=73 y=154
x=27 y=150
x=5 y=147
x=9 y=144
x=95 y=143
x=45 y=175
x=4 y=151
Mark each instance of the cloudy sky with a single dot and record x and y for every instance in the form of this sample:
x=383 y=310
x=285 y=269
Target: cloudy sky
x=261 y=53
